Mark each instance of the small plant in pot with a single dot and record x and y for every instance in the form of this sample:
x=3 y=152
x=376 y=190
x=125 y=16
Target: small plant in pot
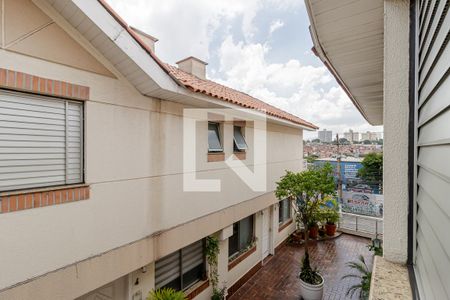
x=310 y=189
x=331 y=216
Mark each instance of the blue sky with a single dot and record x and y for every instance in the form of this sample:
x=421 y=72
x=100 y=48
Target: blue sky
x=261 y=47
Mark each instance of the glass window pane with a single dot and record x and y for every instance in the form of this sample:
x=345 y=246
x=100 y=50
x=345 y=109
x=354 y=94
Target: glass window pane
x=233 y=241
x=239 y=141
x=286 y=208
x=280 y=212
x=193 y=276
x=214 y=138
x=245 y=232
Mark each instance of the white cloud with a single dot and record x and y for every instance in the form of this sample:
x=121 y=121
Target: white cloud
x=306 y=91
x=188 y=27
x=275 y=25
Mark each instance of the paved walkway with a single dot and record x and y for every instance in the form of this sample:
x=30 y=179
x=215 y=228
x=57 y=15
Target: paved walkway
x=278 y=279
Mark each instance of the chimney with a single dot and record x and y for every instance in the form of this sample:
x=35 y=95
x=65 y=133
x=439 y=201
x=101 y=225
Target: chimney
x=194 y=66
x=148 y=40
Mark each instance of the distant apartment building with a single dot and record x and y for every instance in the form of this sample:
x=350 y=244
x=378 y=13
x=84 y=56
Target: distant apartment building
x=325 y=136
x=94 y=200
x=371 y=136
x=351 y=136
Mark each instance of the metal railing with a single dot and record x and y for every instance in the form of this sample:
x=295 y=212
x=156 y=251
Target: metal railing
x=361 y=225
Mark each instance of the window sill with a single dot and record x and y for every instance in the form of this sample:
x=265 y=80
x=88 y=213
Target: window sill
x=240 y=155
x=388 y=277
x=241 y=257
x=40 y=197
x=196 y=289
x=216 y=156
x=282 y=226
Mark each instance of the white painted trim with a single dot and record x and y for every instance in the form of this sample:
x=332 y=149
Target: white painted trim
x=115 y=32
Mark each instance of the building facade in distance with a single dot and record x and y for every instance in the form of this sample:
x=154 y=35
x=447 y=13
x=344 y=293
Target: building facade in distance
x=325 y=136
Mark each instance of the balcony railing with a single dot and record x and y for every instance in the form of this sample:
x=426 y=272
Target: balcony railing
x=361 y=225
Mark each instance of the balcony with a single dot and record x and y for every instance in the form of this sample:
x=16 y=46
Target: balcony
x=278 y=278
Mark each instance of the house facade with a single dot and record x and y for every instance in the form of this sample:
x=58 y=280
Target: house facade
x=93 y=162
x=392 y=59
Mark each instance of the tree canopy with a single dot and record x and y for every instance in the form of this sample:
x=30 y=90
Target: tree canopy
x=372 y=168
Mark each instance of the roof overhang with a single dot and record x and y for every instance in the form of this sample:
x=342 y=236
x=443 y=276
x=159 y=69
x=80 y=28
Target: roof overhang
x=113 y=39
x=120 y=45
x=348 y=38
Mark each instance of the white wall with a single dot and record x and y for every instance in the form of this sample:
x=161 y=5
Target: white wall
x=134 y=168
x=133 y=156
x=396 y=117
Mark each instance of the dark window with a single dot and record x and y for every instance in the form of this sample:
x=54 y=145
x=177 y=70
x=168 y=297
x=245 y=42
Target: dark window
x=214 y=144
x=239 y=140
x=242 y=236
x=284 y=211
x=181 y=269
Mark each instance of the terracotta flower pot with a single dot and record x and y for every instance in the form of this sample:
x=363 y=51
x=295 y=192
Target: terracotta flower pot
x=331 y=229
x=314 y=232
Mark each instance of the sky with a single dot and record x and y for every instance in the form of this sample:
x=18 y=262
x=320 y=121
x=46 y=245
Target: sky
x=260 y=47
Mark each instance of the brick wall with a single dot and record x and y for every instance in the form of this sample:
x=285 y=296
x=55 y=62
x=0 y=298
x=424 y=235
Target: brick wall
x=29 y=83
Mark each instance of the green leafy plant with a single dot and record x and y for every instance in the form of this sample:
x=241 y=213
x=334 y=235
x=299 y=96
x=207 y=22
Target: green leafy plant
x=166 y=294
x=372 y=168
x=330 y=212
x=219 y=294
x=212 y=251
x=310 y=189
x=376 y=246
x=363 y=274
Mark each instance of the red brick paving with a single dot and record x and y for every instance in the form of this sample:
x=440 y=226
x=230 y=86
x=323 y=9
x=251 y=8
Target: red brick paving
x=278 y=278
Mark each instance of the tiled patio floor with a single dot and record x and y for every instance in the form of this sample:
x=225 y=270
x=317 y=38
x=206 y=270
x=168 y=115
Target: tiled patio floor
x=277 y=279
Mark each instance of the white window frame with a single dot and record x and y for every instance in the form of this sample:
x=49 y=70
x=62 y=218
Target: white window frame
x=238 y=130
x=217 y=131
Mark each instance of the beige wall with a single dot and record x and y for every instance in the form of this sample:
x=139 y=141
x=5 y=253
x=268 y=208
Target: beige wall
x=134 y=168
x=395 y=179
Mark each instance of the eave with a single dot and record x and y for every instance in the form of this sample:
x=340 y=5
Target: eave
x=348 y=38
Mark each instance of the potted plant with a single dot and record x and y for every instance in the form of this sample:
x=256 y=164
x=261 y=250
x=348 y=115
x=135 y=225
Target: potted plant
x=166 y=294
x=310 y=189
x=331 y=216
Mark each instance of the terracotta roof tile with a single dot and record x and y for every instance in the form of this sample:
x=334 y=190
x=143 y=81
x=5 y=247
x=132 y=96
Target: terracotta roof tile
x=225 y=93
x=209 y=87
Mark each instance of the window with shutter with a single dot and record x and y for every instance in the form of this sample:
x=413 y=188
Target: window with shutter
x=41 y=141
x=181 y=269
